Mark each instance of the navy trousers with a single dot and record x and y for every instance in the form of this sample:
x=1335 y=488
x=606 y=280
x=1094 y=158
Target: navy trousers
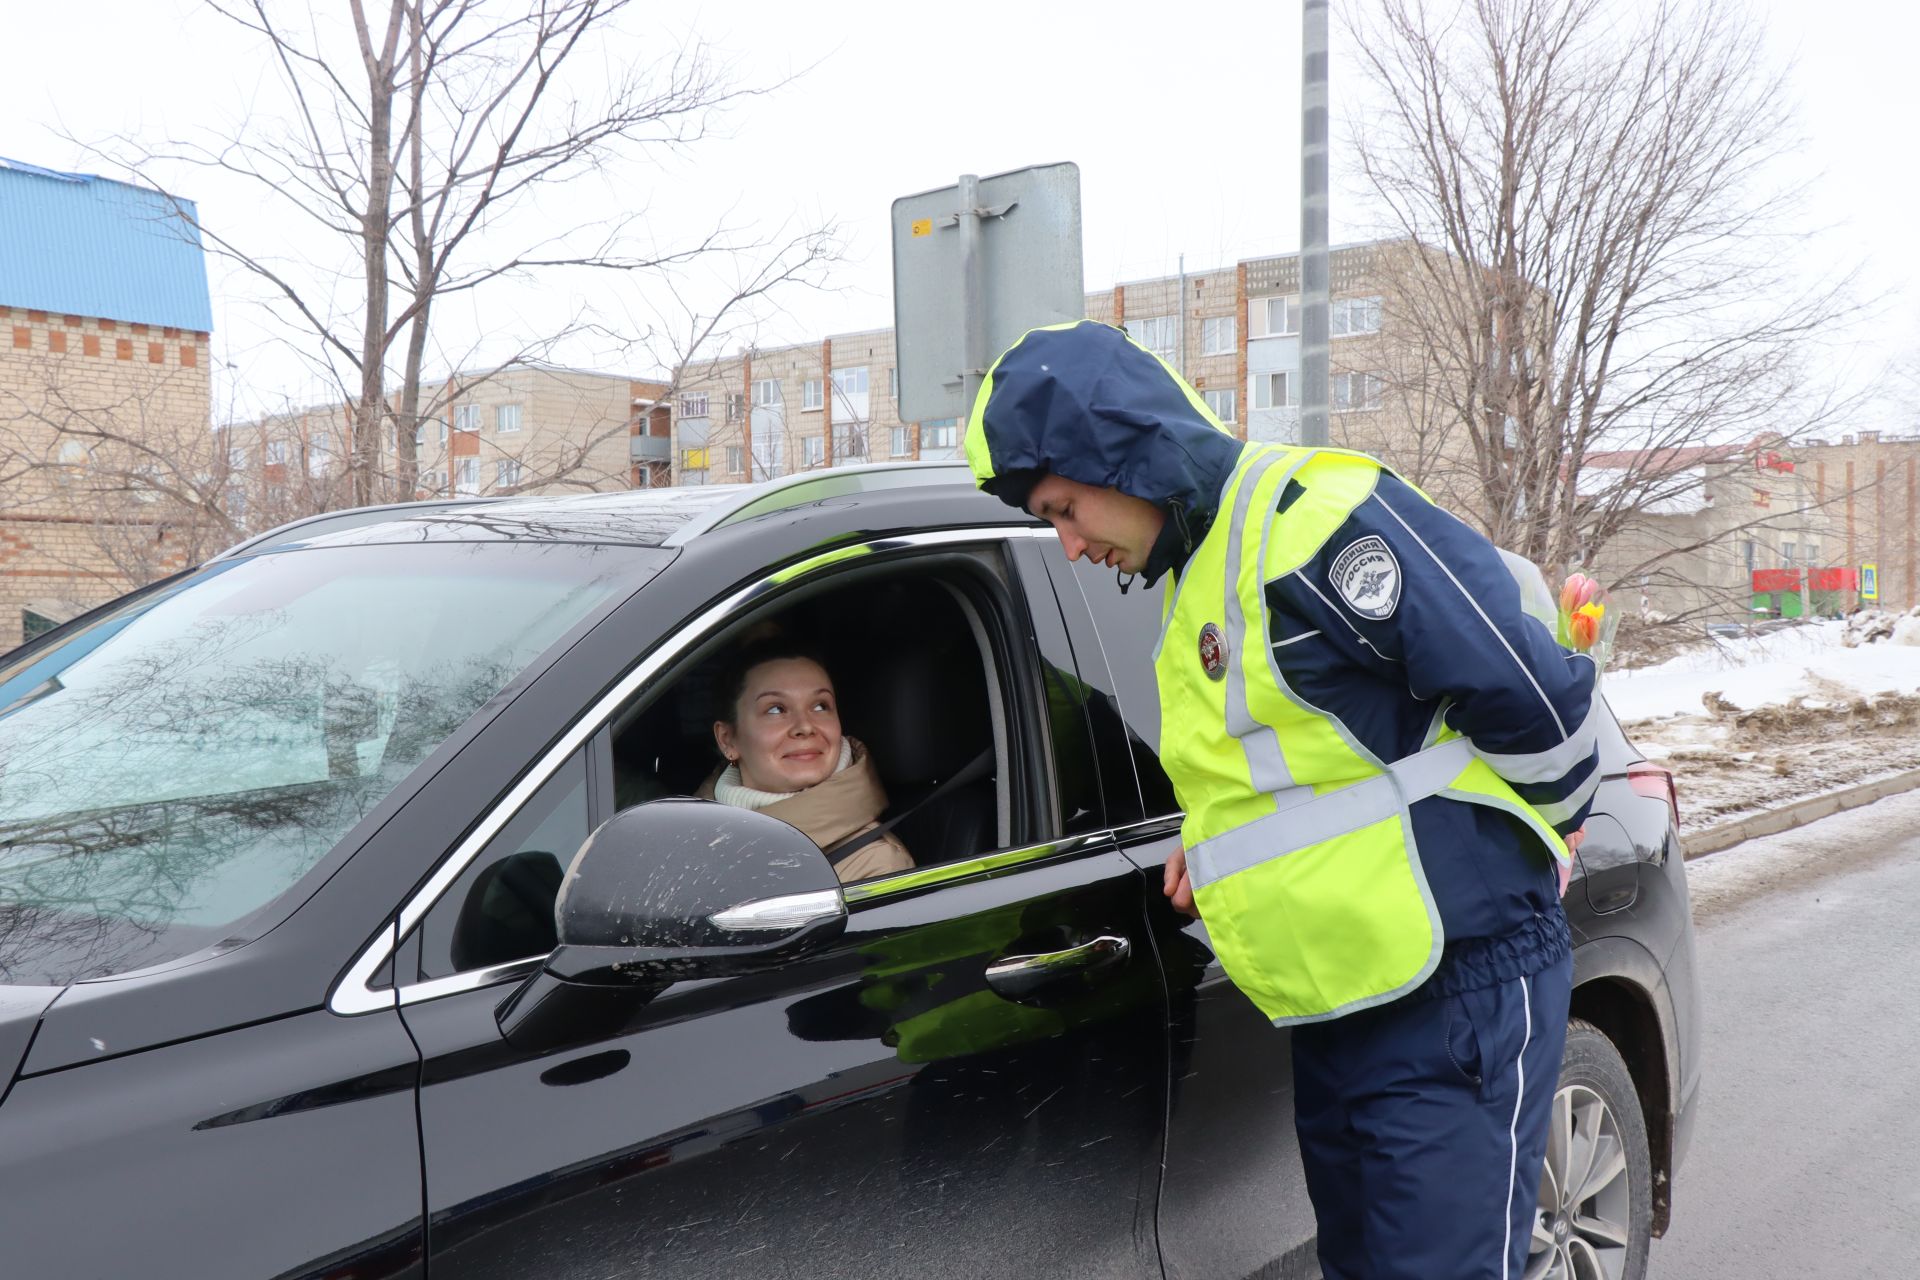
x=1423 y=1125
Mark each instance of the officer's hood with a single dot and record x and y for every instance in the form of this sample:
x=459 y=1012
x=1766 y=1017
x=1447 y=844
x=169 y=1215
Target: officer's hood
x=1086 y=402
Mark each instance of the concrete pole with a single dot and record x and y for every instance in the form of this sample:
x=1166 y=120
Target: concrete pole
x=1180 y=325
x=1315 y=274
x=973 y=277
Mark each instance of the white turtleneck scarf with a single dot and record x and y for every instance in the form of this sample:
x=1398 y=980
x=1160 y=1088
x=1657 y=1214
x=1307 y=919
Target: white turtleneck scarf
x=730 y=790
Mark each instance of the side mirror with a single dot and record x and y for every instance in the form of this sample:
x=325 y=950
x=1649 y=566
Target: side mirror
x=666 y=891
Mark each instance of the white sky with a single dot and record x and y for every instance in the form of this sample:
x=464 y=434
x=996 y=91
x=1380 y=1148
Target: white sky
x=1184 y=121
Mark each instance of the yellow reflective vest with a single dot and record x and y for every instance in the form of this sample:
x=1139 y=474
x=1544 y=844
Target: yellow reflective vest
x=1300 y=846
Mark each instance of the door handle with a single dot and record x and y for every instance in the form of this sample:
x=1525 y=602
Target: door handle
x=1019 y=976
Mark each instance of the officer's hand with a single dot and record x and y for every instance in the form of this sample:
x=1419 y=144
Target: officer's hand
x=1566 y=869
x=1177 y=887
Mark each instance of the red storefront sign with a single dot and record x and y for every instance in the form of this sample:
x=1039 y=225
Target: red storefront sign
x=1817 y=580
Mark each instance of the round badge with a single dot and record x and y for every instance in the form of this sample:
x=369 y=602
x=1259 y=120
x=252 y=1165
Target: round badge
x=1213 y=652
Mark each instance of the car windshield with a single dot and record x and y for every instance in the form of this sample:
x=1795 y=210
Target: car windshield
x=183 y=761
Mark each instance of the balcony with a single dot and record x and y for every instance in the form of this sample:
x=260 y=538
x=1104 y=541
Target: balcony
x=650 y=448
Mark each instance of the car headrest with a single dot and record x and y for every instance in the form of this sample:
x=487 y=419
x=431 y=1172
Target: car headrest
x=920 y=705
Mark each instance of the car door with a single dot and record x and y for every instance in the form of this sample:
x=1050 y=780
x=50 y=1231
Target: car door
x=884 y=1107
x=1233 y=1201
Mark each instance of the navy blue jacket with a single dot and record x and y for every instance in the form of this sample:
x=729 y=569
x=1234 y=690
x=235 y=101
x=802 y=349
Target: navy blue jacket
x=1090 y=405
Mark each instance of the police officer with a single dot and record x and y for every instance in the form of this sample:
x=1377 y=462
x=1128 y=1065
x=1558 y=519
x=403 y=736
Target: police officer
x=1380 y=758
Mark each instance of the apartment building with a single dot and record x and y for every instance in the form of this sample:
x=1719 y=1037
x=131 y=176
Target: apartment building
x=104 y=324
x=525 y=429
x=1232 y=332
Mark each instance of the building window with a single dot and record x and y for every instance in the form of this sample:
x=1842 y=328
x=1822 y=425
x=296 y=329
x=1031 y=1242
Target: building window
x=810 y=394
x=1276 y=317
x=766 y=391
x=893 y=384
x=902 y=442
x=1788 y=550
x=1155 y=333
x=35 y=624
x=466 y=475
x=736 y=459
x=1353 y=315
x=1813 y=553
x=1355 y=391
x=276 y=453
x=941 y=433
x=813 y=451
x=1218 y=336
x=736 y=406
x=506 y=473
x=1224 y=404
x=1274 y=391
x=236 y=459
x=851 y=382
x=506 y=419
x=693 y=405
x=466 y=417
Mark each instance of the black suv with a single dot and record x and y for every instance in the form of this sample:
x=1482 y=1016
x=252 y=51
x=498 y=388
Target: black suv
x=284 y=990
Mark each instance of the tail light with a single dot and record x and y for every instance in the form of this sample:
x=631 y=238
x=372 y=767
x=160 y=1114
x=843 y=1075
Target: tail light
x=1651 y=780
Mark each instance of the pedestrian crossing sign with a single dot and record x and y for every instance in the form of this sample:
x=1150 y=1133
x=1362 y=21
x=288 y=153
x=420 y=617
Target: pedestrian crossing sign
x=1869 y=582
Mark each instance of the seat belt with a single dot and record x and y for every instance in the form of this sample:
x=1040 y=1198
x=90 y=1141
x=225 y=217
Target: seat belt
x=974 y=770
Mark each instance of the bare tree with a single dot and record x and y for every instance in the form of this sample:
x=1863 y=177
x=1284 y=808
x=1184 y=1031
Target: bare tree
x=417 y=145
x=1595 y=254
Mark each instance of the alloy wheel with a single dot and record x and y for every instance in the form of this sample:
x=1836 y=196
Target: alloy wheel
x=1582 y=1227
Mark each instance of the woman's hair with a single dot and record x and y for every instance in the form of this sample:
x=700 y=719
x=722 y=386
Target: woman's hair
x=739 y=664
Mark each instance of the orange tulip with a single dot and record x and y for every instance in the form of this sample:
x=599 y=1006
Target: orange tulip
x=1584 y=630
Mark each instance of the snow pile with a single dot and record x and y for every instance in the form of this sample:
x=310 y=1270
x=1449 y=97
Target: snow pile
x=1871 y=626
x=1822 y=664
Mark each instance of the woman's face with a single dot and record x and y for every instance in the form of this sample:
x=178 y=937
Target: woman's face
x=785 y=733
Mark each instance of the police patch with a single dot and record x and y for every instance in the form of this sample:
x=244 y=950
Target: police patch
x=1367 y=578
x=1213 y=652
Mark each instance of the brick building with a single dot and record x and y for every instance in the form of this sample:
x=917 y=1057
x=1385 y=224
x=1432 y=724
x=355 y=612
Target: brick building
x=103 y=369
x=1868 y=488
x=1723 y=523
x=526 y=429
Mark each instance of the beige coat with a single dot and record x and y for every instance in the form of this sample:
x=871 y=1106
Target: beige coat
x=846 y=804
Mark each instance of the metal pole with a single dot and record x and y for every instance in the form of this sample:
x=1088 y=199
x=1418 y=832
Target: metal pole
x=1315 y=277
x=1181 y=325
x=973 y=276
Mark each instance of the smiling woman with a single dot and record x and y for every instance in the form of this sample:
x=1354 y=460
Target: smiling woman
x=779 y=728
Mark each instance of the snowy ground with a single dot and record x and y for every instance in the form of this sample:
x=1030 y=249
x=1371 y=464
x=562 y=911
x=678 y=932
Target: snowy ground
x=1755 y=722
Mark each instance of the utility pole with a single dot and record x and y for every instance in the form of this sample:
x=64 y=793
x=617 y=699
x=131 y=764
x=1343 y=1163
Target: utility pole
x=1315 y=274
x=1180 y=325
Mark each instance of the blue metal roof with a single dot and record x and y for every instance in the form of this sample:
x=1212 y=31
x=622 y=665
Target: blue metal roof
x=80 y=245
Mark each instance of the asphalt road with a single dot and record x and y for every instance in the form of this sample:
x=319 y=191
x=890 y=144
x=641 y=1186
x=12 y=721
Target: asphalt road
x=1806 y=1160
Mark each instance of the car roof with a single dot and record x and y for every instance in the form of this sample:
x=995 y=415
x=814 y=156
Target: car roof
x=669 y=517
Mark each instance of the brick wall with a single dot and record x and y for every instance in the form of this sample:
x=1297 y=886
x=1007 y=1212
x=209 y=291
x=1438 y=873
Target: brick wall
x=70 y=386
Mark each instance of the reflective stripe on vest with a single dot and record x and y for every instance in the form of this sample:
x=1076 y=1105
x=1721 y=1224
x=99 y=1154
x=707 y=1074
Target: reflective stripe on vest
x=1306 y=819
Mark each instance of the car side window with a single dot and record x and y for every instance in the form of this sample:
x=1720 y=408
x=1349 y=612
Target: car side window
x=1127 y=627
x=501 y=907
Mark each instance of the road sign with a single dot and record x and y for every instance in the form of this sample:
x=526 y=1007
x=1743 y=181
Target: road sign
x=1869 y=582
x=976 y=265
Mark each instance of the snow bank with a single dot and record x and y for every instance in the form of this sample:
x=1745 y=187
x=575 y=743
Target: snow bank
x=1753 y=671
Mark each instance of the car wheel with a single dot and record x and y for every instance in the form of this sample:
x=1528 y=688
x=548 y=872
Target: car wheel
x=1595 y=1220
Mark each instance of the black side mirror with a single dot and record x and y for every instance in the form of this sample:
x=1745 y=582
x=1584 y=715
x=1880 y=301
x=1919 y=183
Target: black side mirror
x=666 y=891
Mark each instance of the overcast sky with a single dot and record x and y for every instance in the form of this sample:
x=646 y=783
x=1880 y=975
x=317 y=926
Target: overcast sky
x=1184 y=121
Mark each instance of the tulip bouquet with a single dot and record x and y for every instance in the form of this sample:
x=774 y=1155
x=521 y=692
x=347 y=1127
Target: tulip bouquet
x=1587 y=619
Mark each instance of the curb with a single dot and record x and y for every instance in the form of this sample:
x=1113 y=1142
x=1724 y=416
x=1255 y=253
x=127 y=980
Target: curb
x=1797 y=814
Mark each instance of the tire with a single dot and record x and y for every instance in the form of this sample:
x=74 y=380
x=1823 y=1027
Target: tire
x=1603 y=1230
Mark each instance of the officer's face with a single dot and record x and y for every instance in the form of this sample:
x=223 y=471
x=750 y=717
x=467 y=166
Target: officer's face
x=1104 y=525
